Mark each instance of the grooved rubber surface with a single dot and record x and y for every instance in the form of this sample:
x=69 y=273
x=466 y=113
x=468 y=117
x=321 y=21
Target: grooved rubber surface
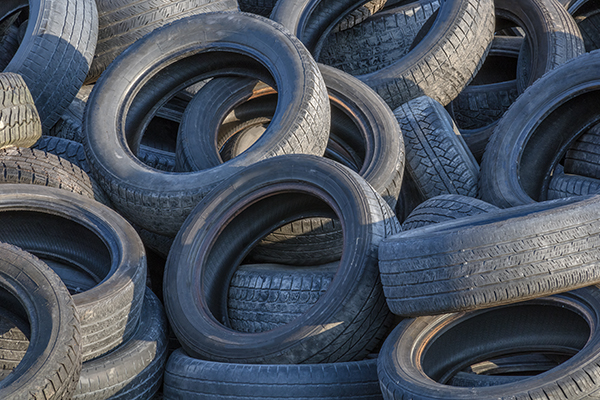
x=20 y=123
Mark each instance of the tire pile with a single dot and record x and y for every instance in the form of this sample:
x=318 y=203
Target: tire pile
x=305 y=199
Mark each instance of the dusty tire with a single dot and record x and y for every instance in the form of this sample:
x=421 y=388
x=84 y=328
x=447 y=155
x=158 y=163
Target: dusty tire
x=50 y=367
x=566 y=185
x=20 y=123
x=138 y=192
x=359 y=315
x=83 y=237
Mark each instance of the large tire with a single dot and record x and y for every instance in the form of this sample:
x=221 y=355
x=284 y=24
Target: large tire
x=56 y=51
x=133 y=370
x=492 y=259
x=81 y=237
x=421 y=354
x=526 y=145
x=122 y=22
x=439 y=66
x=437 y=158
x=20 y=123
x=31 y=290
x=195 y=379
x=262 y=197
x=160 y=201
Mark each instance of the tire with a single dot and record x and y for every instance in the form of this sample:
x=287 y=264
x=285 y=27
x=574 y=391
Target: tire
x=279 y=189
x=133 y=370
x=262 y=297
x=561 y=321
x=437 y=158
x=19 y=120
x=445 y=207
x=412 y=76
x=378 y=41
x=359 y=15
x=69 y=150
x=51 y=365
x=9 y=41
x=56 y=52
x=583 y=156
x=138 y=192
x=122 y=22
x=85 y=238
x=190 y=378
x=410 y=198
x=491 y=259
x=477 y=109
x=566 y=185
x=588 y=25
x=526 y=146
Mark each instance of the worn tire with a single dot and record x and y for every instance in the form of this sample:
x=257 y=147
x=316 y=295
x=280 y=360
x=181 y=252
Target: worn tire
x=138 y=192
x=85 y=238
x=279 y=189
x=566 y=185
x=20 y=123
x=491 y=259
x=51 y=365
x=583 y=156
x=421 y=354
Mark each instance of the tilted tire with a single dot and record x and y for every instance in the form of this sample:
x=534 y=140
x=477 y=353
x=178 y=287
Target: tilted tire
x=20 y=123
x=490 y=259
x=517 y=164
x=160 y=201
x=64 y=148
x=212 y=243
x=566 y=185
x=122 y=22
x=437 y=158
x=195 y=379
x=435 y=67
x=56 y=52
x=134 y=369
x=50 y=367
x=422 y=354
x=583 y=156
x=85 y=242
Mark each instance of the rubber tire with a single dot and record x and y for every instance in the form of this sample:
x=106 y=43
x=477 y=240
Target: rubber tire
x=262 y=297
x=133 y=370
x=20 y=123
x=567 y=320
x=445 y=207
x=73 y=230
x=51 y=365
x=437 y=158
x=122 y=22
x=139 y=192
x=491 y=259
x=583 y=156
x=195 y=379
x=280 y=188
x=517 y=164
x=69 y=150
x=566 y=185
x=435 y=67
x=56 y=51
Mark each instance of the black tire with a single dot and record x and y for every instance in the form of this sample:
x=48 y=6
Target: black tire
x=260 y=7
x=38 y=167
x=279 y=189
x=19 y=120
x=421 y=354
x=9 y=40
x=566 y=185
x=491 y=259
x=66 y=149
x=392 y=31
x=133 y=370
x=437 y=158
x=445 y=207
x=262 y=297
x=588 y=23
x=50 y=367
x=526 y=146
x=583 y=156
x=83 y=237
x=410 y=197
x=359 y=15
x=123 y=22
x=413 y=75
x=56 y=51
x=195 y=379
x=138 y=192
x=477 y=109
